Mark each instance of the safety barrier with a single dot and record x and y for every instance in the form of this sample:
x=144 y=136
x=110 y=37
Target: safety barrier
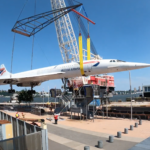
x=26 y=136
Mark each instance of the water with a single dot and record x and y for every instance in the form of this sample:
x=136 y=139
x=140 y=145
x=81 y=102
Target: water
x=40 y=99
x=123 y=97
x=36 y=99
x=4 y=99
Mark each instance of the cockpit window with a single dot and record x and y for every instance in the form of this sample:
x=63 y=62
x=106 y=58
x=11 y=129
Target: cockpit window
x=120 y=61
x=112 y=60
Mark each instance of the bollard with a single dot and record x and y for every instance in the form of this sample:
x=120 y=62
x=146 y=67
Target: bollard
x=140 y=122
x=136 y=124
x=119 y=134
x=111 y=139
x=86 y=148
x=126 y=130
x=131 y=127
x=100 y=144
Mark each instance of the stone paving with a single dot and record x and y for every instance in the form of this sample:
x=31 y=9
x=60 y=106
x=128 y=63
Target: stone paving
x=74 y=138
x=144 y=145
x=57 y=146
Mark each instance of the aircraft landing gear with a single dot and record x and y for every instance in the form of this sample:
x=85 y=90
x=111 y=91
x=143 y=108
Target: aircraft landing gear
x=11 y=90
x=64 y=81
x=31 y=91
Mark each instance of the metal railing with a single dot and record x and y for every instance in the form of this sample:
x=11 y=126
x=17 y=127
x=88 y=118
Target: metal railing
x=26 y=136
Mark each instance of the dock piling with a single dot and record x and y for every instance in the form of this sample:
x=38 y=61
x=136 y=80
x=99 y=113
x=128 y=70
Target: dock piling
x=140 y=122
x=100 y=144
x=119 y=134
x=136 y=124
x=126 y=130
x=131 y=127
x=86 y=148
x=111 y=139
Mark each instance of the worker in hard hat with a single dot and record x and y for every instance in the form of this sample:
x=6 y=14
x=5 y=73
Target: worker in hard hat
x=48 y=103
x=17 y=115
x=23 y=115
x=56 y=118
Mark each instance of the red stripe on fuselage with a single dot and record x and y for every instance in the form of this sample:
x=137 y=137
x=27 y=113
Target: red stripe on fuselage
x=2 y=68
x=88 y=62
x=3 y=72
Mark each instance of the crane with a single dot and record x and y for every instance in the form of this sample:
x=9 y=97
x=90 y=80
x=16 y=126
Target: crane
x=66 y=36
x=68 y=42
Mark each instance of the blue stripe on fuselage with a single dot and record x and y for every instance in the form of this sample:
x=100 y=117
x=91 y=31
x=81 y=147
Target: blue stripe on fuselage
x=96 y=64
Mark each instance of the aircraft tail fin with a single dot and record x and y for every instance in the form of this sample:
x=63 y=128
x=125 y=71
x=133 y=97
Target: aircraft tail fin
x=3 y=71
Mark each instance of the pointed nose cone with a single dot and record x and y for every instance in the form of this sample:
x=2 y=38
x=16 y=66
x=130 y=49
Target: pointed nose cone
x=137 y=65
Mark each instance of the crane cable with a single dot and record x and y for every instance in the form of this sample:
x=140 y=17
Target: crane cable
x=37 y=42
x=12 y=53
x=14 y=38
x=88 y=29
x=79 y=24
x=83 y=28
x=33 y=38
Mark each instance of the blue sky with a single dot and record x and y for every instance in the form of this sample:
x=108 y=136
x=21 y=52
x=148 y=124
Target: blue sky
x=122 y=31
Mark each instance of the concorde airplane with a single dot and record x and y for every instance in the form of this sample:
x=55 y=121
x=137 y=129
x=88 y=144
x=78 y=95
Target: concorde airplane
x=90 y=67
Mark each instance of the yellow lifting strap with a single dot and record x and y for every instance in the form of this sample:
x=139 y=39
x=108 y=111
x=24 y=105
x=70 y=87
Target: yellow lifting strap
x=81 y=55
x=88 y=48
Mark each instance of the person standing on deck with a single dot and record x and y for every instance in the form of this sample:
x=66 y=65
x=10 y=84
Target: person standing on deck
x=17 y=115
x=56 y=118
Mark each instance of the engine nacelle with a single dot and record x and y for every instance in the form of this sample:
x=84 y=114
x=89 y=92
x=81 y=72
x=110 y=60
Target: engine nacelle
x=27 y=84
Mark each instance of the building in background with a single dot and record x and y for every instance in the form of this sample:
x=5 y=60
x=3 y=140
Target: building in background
x=146 y=90
x=135 y=90
x=139 y=89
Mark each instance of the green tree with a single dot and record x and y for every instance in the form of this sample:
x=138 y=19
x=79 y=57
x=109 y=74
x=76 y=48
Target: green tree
x=25 y=96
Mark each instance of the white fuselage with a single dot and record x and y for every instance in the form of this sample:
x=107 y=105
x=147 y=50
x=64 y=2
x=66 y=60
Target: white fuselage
x=71 y=70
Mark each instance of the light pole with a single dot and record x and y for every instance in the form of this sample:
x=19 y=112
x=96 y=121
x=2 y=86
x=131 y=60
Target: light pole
x=130 y=93
x=43 y=99
x=142 y=90
x=93 y=110
x=55 y=102
x=48 y=94
x=106 y=98
x=55 y=97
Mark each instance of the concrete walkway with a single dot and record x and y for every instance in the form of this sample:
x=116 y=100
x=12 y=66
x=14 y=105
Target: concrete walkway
x=73 y=138
x=57 y=146
x=144 y=145
x=65 y=144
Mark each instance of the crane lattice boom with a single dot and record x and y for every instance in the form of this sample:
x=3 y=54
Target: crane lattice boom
x=66 y=36
x=31 y=25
